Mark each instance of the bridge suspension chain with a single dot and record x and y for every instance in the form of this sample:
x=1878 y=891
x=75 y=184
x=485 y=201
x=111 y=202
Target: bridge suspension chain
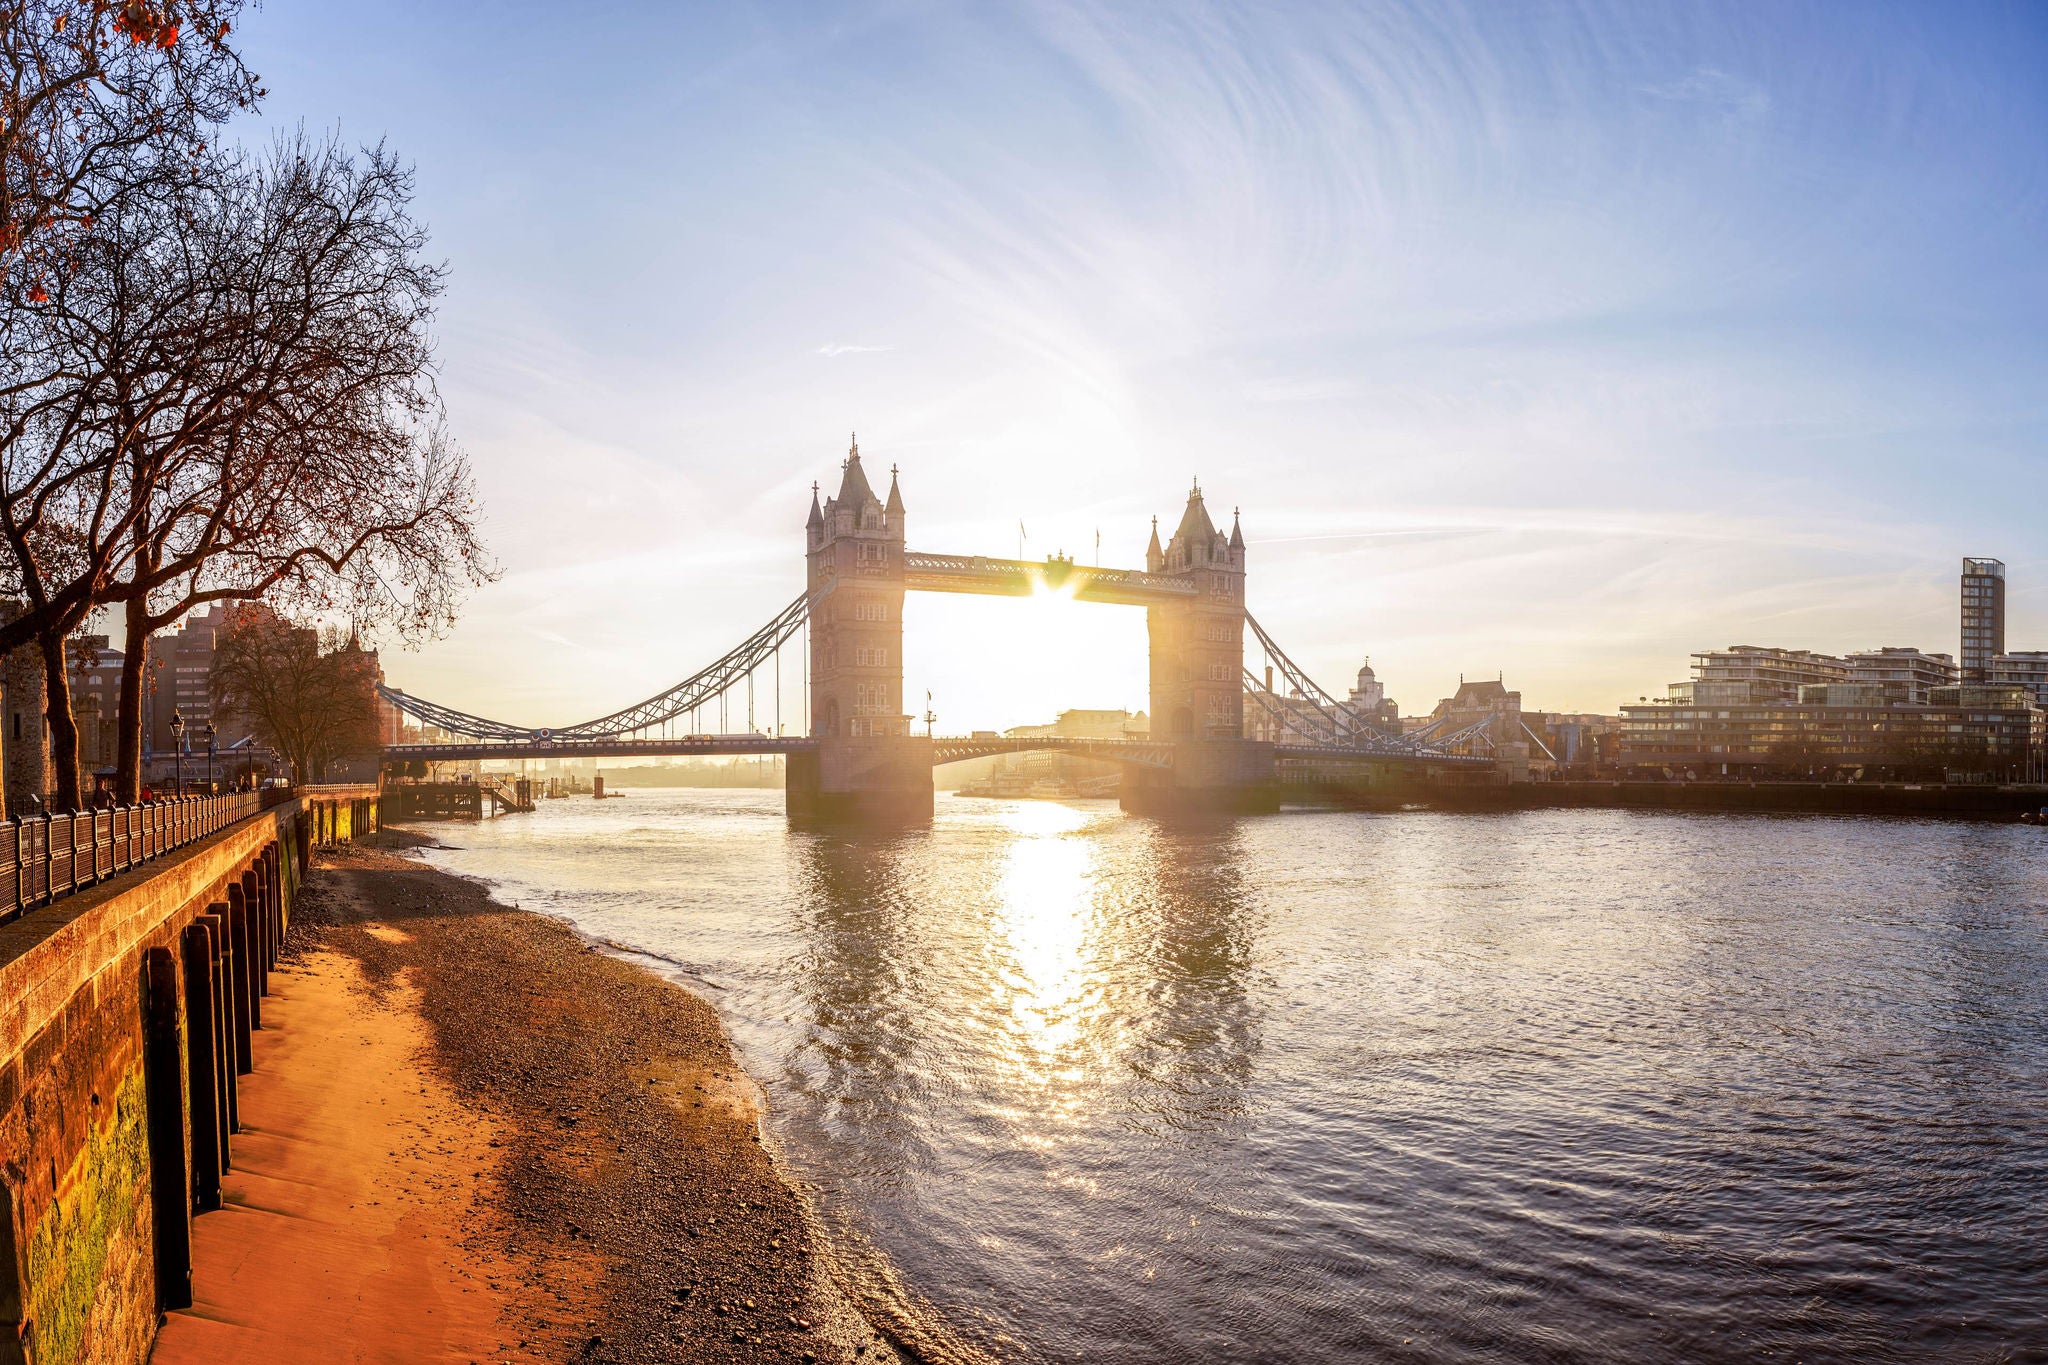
x=1323 y=730
x=686 y=698
x=1346 y=726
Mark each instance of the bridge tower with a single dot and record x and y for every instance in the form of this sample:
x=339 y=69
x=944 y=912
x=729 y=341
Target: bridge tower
x=868 y=764
x=1197 y=675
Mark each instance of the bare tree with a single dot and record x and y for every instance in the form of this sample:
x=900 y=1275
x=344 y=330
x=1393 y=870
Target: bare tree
x=98 y=96
x=313 y=704
x=104 y=107
x=308 y=464
x=215 y=372
x=89 y=369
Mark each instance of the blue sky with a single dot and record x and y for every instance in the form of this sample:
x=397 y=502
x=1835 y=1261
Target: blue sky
x=1552 y=339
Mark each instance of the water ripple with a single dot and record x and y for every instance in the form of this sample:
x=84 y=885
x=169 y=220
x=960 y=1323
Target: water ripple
x=1573 y=1086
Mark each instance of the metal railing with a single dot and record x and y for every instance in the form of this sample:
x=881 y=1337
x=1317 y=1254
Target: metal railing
x=43 y=857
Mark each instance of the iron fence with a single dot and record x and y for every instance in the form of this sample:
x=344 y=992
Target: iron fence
x=43 y=857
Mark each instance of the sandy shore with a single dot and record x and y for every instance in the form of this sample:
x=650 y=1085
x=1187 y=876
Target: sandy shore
x=473 y=1138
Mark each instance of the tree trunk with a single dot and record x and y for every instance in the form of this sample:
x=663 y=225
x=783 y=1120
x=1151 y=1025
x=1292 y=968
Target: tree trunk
x=129 y=720
x=63 y=730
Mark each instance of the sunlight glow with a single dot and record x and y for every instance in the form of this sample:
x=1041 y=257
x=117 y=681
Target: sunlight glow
x=1046 y=893
x=1045 y=593
x=994 y=662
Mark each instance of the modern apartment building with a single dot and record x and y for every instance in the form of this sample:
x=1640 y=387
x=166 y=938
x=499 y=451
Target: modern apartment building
x=1893 y=711
x=2023 y=668
x=1983 y=617
x=1752 y=673
x=1971 y=730
x=1908 y=674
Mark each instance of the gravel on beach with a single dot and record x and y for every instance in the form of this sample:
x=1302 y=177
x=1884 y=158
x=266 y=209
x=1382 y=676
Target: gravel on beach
x=630 y=1151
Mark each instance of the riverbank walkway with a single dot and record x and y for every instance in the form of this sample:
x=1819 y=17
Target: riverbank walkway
x=349 y=1224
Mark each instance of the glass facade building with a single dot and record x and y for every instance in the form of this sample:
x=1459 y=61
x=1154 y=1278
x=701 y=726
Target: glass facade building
x=1974 y=731
x=1983 y=617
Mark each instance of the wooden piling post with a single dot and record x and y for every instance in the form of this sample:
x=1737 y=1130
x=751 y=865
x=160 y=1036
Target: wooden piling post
x=259 y=930
x=164 y=1093
x=239 y=982
x=202 y=1071
x=216 y=921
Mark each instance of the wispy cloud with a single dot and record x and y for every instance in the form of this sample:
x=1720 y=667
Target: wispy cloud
x=1561 y=338
x=1714 y=89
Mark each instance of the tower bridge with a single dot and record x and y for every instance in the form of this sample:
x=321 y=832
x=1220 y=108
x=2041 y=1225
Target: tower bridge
x=856 y=754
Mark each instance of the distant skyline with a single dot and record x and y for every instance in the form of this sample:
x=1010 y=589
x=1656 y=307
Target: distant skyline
x=1556 y=341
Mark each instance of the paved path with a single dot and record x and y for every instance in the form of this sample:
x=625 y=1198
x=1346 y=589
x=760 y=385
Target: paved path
x=354 y=1191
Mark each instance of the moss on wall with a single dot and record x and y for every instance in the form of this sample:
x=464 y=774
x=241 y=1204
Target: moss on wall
x=95 y=1207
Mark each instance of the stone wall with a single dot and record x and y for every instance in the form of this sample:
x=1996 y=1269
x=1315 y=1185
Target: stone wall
x=25 y=770
x=124 y=1012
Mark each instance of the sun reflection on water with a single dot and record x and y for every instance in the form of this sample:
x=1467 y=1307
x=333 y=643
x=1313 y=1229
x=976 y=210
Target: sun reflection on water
x=1045 y=901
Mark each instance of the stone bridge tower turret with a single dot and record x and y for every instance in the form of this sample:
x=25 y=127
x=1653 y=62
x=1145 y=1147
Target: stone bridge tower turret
x=867 y=763
x=853 y=556
x=1198 y=677
x=1198 y=645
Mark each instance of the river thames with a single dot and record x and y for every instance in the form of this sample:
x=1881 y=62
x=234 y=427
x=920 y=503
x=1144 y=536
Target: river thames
x=1585 y=1086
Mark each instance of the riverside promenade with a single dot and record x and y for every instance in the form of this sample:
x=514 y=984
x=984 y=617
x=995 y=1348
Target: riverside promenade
x=403 y=1124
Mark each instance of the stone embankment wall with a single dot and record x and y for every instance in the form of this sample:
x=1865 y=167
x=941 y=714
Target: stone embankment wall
x=125 y=1014
x=1793 y=798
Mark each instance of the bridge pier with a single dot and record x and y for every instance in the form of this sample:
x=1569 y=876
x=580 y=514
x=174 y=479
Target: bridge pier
x=1208 y=777
x=880 y=780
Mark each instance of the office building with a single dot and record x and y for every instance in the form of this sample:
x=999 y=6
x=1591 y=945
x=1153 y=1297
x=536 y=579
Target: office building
x=178 y=681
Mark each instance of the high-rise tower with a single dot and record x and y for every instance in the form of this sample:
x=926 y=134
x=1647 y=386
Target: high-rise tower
x=1983 y=617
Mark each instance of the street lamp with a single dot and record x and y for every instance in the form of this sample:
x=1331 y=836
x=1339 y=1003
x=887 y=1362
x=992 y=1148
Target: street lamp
x=208 y=731
x=178 y=753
